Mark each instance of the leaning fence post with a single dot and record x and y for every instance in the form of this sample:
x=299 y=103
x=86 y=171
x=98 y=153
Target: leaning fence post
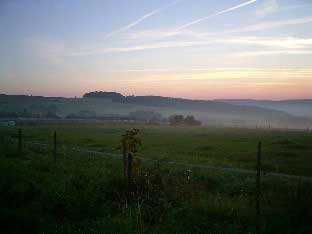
x=54 y=146
x=258 y=189
x=124 y=157
x=5 y=142
x=129 y=169
x=20 y=145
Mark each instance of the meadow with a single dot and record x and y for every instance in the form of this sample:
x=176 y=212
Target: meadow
x=283 y=151
x=86 y=193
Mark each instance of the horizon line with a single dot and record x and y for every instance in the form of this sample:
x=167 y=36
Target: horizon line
x=152 y=95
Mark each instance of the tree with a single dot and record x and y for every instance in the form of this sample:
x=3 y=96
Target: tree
x=190 y=120
x=176 y=120
x=115 y=97
x=129 y=145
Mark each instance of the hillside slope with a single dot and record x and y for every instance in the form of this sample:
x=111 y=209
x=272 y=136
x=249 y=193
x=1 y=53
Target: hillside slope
x=214 y=113
x=300 y=107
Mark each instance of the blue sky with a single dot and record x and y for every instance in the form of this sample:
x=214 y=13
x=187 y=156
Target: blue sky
x=185 y=48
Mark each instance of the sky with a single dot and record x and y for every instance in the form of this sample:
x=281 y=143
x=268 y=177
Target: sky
x=198 y=49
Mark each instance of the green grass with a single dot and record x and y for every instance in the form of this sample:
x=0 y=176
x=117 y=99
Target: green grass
x=287 y=152
x=81 y=193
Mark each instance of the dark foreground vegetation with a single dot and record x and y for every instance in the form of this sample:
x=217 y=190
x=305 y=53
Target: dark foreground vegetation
x=86 y=193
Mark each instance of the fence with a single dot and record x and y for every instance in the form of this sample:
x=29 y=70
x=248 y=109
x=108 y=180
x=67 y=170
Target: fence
x=21 y=142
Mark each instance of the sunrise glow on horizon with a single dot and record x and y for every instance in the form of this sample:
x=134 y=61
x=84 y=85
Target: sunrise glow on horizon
x=249 y=49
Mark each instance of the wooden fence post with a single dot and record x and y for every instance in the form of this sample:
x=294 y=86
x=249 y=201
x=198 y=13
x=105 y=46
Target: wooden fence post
x=54 y=146
x=20 y=145
x=4 y=143
x=258 y=189
x=124 y=157
x=129 y=169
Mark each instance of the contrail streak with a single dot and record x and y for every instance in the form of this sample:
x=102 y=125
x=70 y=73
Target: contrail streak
x=136 y=22
x=273 y=24
x=216 y=14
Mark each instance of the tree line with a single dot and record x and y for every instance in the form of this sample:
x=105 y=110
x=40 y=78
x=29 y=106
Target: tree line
x=189 y=120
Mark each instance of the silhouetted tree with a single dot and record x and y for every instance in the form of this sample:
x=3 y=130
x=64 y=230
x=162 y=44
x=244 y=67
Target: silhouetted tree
x=180 y=120
x=130 y=142
x=190 y=120
x=176 y=120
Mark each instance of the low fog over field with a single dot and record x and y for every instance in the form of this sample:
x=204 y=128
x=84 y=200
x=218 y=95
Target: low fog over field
x=111 y=105
x=298 y=107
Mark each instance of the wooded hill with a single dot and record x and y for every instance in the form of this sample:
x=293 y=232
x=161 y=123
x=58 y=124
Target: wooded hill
x=215 y=113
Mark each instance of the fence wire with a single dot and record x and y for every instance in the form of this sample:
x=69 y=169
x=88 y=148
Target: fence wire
x=167 y=162
x=11 y=135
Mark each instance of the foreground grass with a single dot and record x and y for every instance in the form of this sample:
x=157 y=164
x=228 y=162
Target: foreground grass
x=87 y=194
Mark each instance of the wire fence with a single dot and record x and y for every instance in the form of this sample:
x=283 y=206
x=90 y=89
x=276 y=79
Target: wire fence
x=56 y=149
x=16 y=136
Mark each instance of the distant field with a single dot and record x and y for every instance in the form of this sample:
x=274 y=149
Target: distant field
x=283 y=151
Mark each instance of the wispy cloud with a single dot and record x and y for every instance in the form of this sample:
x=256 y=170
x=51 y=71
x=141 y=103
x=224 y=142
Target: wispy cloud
x=224 y=70
x=189 y=38
x=272 y=52
x=161 y=34
x=141 y=19
x=293 y=43
x=278 y=42
x=157 y=34
x=273 y=24
x=160 y=45
x=216 y=14
x=267 y=7
x=222 y=74
x=152 y=34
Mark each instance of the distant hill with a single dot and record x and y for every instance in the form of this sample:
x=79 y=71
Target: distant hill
x=108 y=95
x=181 y=103
x=217 y=109
x=298 y=107
x=101 y=104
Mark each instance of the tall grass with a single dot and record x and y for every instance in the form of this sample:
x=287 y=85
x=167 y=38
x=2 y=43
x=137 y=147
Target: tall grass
x=86 y=194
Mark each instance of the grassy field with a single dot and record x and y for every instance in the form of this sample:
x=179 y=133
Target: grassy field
x=83 y=193
x=287 y=152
